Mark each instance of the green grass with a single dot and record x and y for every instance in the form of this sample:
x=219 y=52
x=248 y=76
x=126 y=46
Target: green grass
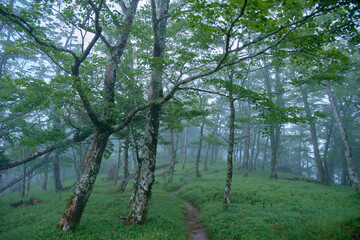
x=292 y=210
x=272 y=209
x=166 y=216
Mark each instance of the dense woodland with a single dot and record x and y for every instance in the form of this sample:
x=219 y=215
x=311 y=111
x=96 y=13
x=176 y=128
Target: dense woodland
x=192 y=90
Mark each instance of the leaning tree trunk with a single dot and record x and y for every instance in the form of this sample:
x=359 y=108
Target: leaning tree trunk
x=174 y=145
x=348 y=155
x=229 y=171
x=27 y=173
x=140 y=199
x=185 y=148
x=125 y=180
x=197 y=162
x=73 y=212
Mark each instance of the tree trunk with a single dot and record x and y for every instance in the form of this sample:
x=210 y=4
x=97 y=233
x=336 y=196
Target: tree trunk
x=22 y=186
x=57 y=180
x=185 y=148
x=348 y=155
x=229 y=170
x=274 y=143
x=319 y=163
x=140 y=199
x=28 y=184
x=126 y=178
x=252 y=153
x=118 y=165
x=205 y=167
x=265 y=153
x=73 y=212
x=247 y=145
x=299 y=171
x=326 y=150
x=27 y=173
x=212 y=154
x=174 y=143
x=197 y=162
x=274 y=136
x=45 y=179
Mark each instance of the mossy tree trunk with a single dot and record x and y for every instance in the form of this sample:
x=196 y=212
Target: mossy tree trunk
x=229 y=171
x=73 y=212
x=140 y=199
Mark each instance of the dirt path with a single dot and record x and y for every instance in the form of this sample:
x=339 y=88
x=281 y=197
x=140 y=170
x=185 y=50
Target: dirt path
x=196 y=230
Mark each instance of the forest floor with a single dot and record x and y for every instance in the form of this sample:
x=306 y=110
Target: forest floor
x=260 y=209
x=196 y=229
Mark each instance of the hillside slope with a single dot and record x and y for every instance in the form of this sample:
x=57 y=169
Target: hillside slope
x=260 y=209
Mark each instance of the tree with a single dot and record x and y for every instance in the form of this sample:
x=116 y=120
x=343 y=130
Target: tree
x=140 y=199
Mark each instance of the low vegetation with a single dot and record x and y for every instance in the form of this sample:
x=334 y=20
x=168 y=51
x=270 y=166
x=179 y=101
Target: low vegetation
x=260 y=209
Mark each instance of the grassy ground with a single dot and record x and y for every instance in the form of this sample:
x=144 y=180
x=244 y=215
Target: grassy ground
x=276 y=209
x=166 y=217
x=260 y=209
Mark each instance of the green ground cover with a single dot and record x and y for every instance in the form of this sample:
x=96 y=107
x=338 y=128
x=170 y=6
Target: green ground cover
x=276 y=209
x=260 y=209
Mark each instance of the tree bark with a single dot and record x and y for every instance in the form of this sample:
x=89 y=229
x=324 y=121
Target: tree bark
x=126 y=177
x=229 y=170
x=348 y=154
x=140 y=199
x=73 y=212
x=198 y=155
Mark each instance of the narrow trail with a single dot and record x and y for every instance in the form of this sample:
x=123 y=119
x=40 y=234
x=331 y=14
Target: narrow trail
x=197 y=230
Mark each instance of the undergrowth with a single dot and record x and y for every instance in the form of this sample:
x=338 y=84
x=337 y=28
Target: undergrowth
x=260 y=209
x=273 y=209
